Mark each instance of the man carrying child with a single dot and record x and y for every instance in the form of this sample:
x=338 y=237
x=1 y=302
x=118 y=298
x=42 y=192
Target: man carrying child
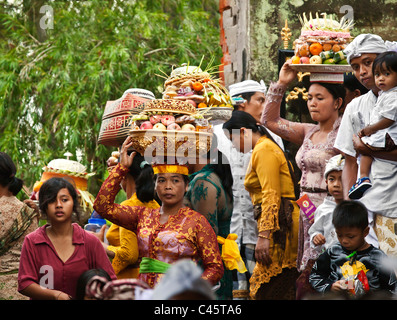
x=381 y=198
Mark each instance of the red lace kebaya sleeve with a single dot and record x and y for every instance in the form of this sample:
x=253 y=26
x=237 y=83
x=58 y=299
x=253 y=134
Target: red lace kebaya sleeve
x=209 y=251
x=291 y=131
x=124 y=216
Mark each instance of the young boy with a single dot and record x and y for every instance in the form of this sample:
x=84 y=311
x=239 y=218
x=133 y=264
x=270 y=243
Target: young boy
x=345 y=260
x=322 y=232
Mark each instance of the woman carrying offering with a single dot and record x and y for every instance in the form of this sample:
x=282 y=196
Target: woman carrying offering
x=315 y=140
x=166 y=234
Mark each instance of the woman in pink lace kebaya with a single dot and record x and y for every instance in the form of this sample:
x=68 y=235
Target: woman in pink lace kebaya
x=315 y=140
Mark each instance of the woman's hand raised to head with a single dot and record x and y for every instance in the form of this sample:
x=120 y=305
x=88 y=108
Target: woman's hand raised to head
x=125 y=159
x=287 y=74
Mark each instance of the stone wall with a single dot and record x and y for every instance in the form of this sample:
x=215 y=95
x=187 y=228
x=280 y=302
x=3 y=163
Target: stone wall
x=234 y=39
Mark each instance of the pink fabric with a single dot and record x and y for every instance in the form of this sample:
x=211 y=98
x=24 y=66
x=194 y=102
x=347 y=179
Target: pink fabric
x=323 y=33
x=39 y=259
x=311 y=160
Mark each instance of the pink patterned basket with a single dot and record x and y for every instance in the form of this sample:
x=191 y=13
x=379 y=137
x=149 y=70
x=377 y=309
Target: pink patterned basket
x=116 y=119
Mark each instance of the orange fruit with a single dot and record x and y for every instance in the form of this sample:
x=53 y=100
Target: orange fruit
x=315 y=48
x=295 y=60
x=304 y=50
x=335 y=48
x=202 y=105
x=327 y=46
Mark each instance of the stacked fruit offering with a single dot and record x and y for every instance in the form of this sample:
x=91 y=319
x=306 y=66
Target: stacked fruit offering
x=169 y=114
x=322 y=41
x=170 y=127
x=198 y=87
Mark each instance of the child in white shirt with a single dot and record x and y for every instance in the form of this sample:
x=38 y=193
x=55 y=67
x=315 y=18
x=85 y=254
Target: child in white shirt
x=322 y=232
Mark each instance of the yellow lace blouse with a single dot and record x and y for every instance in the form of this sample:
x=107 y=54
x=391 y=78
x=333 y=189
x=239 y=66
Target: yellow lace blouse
x=124 y=244
x=267 y=180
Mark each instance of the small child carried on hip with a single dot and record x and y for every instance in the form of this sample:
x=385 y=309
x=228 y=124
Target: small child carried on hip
x=381 y=133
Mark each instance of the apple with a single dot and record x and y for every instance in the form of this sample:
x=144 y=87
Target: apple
x=192 y=102
x=173 y=126
x=159 y=126
x=155 y=119
x=167 y=120
x=316 y=60
x=146 y=125
x=304 y=60
x=188 y=127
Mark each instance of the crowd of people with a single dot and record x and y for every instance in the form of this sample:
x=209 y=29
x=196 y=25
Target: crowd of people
x=169 y=239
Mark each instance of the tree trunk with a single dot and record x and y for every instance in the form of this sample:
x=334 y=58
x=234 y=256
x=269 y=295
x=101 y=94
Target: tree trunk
x=32 y=10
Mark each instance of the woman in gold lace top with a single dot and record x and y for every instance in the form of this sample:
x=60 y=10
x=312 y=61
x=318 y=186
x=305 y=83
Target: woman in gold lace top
x=268 y=181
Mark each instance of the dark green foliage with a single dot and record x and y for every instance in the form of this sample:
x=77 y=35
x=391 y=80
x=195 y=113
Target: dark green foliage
x=54 y=83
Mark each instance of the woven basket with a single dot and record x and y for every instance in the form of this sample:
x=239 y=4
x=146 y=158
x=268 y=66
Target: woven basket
x=117 y=118
x=129 y=103
x=171 y=143
x=114 y=130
